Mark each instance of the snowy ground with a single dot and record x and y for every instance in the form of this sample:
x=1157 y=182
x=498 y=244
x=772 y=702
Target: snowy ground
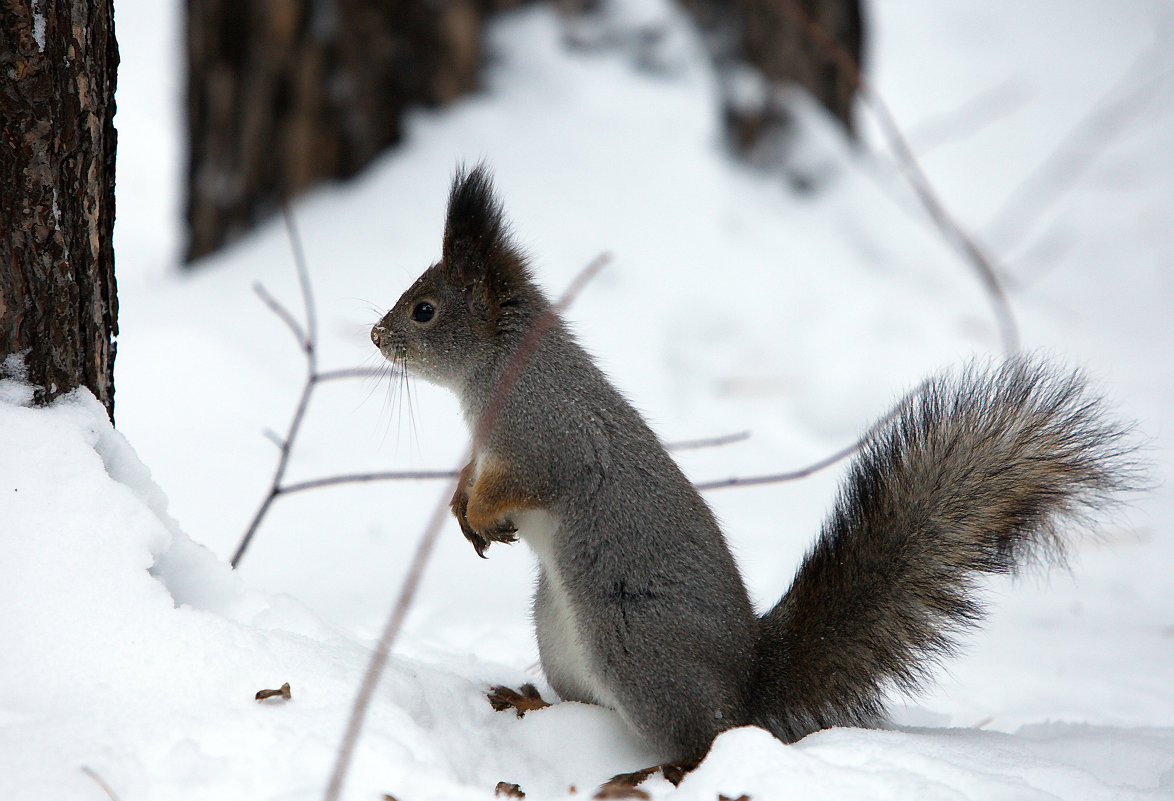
x=731 y=304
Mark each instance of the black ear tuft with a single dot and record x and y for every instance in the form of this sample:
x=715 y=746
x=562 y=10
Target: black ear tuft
x=477 y=246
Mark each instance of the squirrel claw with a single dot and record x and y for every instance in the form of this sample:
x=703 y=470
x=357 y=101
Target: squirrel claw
x=481 y=540
x=504 y=533
x=479 y=543
x=521 y=701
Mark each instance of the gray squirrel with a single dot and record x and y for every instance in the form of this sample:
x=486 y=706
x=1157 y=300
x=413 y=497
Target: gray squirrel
x=639 y=604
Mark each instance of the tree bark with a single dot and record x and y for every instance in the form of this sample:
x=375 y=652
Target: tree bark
x=283 y=94
x=58 y=305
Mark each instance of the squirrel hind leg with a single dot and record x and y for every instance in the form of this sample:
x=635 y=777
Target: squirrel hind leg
x=526 y=699
x=682 y=720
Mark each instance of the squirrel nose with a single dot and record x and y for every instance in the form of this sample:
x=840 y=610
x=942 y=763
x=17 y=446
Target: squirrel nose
x=377 y=335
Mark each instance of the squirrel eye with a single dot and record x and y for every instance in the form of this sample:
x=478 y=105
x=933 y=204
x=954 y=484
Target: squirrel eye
x=423 y=311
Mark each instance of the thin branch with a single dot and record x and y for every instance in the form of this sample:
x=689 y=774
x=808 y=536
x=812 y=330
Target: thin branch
x=363 y=478
x=707 y=442
x=286 y=446
x=974 y=114
x=778 y=478
x=1130 y=95
x=424 y=550
x=733 y=481
x=913 y=172
x=815 y=467
x=86 y=769
x=527 y=347
x=282 y=313
x=256 y=522
x=308 y=343
x=299 y=254
x=427 y=475
x=379 y=656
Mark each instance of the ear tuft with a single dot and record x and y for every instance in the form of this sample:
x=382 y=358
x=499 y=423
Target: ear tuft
x=477 y=246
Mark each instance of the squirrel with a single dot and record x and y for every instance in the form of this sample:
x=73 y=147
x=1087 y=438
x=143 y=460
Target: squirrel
x=639 y=604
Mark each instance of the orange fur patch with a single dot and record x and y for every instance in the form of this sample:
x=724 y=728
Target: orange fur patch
x=494 y=495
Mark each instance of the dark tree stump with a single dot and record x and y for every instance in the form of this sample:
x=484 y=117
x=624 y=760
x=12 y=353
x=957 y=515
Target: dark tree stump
x=58 y=305
x=283 y=94
x=781 y=43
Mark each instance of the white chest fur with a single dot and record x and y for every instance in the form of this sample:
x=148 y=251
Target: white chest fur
x=568 y=664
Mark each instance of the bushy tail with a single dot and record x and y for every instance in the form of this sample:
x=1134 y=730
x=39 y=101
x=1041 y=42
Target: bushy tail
x=969 y=475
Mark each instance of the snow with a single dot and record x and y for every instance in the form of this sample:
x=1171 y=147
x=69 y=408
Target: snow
x=132 y=651
x=39 y=22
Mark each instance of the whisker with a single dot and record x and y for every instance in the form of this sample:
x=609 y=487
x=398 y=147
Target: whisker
x=375 y=309
x=388 y=387
x=401 y=390
x=383 y=370
x=391 y=409
x=413 y=431
x=384 y=380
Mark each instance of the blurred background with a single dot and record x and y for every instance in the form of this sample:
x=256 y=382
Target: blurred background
x=284 y=95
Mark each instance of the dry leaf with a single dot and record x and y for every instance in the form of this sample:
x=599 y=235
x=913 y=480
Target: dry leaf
x=508 y=790
x=282 y=693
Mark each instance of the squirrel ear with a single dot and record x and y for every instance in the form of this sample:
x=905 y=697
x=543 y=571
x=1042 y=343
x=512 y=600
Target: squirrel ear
x=477 y=250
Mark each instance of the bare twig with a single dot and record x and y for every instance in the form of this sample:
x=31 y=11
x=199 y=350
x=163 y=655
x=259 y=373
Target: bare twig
x=285 y=445
x=299 y=253
x=282 y=313
x=815 y=467
x=911 y=168
x=86 y=769
x=1130 y=95
x=526 y=348
x=427 y=540
x=969 y=117
x=308 y=340
x=379 y=656
x=778 y=478
x=707 y=442
x=713 y=442
x=362 y=478
x=426 y=475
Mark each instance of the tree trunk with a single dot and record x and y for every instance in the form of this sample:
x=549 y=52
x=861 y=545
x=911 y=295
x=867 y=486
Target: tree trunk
x=283 y=94
x=58 y=306
x=762 y=45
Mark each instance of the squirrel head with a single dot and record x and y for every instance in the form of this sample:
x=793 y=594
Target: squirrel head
x=474 y=304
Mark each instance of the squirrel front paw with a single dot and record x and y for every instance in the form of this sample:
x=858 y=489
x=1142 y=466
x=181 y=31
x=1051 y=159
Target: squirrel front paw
x=482 y=537
x=504 y=532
